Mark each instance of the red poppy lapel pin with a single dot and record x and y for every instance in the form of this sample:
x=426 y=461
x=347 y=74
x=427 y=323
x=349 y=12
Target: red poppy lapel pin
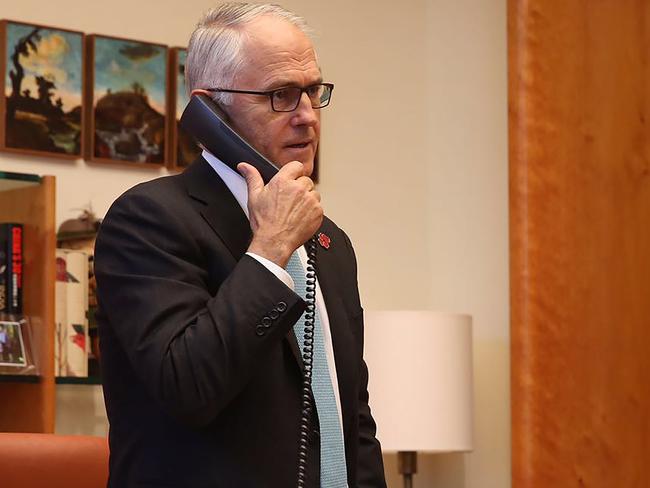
x=324 y=240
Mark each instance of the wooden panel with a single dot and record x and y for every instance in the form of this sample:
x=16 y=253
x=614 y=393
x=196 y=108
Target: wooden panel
x=579 y=96
x=26 y=407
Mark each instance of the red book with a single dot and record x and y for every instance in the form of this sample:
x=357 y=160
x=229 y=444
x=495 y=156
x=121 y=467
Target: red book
x=11 y=268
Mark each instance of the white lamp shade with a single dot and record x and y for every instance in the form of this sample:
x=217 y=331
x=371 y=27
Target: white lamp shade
x=420 y=379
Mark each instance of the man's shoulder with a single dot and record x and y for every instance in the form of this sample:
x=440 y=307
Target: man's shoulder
x=163 y=191
x=167 y=191
x=156 y=188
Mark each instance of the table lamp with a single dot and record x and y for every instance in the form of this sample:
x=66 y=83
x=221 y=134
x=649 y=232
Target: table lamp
x=420 y=383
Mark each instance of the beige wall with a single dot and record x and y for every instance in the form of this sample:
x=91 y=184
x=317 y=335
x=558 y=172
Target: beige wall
x=414 y=160
x=468 y=204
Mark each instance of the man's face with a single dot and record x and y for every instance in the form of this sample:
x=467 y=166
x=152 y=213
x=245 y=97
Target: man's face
x=277 y=54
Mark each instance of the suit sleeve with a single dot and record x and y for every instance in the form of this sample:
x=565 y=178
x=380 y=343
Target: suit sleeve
x=192 y=351
x=370 y=469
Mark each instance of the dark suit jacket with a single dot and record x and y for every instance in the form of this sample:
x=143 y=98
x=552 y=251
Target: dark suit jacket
x=195 y=397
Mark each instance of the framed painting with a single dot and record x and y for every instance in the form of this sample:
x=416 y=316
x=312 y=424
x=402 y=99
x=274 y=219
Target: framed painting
x=126 y=101
x=42 y=90
x=184 y=148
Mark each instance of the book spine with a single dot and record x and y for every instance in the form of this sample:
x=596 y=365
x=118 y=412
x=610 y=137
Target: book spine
x=5 y=264
x=11 y=268
x=61 y=317
x=72 y=311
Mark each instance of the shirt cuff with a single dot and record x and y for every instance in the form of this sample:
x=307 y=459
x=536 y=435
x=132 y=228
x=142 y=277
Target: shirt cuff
x=278 y=271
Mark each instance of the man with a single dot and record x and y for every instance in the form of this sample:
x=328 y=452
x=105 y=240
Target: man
x=201 y=364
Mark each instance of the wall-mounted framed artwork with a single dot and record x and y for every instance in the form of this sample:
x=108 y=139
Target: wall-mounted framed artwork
x=126 y=101
x=41 y=110
x=184 y=148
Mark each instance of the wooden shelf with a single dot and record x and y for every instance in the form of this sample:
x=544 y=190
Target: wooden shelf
x=14 y=181
x=70 y=380
x=28 y=406
x=19 y=378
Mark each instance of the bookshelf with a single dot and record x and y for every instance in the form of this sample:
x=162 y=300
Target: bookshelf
x=86 y=380
x=27 y=403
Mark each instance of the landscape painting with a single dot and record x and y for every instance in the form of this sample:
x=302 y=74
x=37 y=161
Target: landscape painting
x=43 y=83
x=128 y=90
x=186 y=149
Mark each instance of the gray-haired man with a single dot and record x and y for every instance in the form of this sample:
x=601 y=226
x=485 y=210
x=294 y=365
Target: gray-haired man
x=198 y=315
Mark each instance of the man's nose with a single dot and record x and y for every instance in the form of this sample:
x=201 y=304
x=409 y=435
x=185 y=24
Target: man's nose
x=304 y=113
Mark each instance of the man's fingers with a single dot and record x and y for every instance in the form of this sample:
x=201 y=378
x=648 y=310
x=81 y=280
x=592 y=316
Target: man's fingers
x=307 y=182
x=253 y=178
x=292 y=170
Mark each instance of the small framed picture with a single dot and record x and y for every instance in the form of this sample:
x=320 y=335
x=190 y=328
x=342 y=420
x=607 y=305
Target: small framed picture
x=126 y=101
x=12 y=347
x=184 y=148
x=42 y=90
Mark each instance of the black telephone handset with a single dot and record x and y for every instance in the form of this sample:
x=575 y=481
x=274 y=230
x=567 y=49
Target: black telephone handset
x=204 y=119
x=209 y=125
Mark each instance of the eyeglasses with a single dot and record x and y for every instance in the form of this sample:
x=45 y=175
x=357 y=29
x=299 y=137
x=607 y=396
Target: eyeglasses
x=288 y=98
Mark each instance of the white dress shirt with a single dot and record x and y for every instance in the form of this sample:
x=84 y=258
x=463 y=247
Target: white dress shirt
x=237 y=186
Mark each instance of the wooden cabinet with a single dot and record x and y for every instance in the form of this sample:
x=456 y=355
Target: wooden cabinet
x=27 y=403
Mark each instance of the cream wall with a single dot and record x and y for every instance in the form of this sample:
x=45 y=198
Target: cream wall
x=468 y=210
x=414 y=159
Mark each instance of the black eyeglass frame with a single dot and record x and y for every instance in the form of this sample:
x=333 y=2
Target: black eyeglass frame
x=270 y=93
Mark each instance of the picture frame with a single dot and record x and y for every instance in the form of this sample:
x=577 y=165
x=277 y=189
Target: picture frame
x=12 y=346
x=41 y=101
x=183 y=147
x=127 y=101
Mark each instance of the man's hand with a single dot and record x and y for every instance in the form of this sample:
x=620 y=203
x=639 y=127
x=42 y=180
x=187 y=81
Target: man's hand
x=284 y=214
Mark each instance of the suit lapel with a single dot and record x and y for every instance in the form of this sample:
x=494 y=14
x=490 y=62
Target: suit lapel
x=220 y=209
x=291 y=336
x=343 y=342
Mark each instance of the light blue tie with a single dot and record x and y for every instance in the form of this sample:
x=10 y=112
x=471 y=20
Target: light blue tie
x=333 y=472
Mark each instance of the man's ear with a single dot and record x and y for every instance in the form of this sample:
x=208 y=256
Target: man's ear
x=224 y=109
x=201 y=91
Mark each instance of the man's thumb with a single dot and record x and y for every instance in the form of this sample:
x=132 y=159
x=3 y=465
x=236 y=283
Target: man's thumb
x=253 y=178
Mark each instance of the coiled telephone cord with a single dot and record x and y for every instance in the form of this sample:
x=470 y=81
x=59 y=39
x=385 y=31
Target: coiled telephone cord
x=307 y=359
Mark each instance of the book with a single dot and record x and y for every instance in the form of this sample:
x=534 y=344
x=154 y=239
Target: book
x=71 y=311
x=11 y=268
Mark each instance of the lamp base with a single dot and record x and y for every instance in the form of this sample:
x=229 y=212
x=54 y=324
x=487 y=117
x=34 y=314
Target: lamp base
x=407 y=465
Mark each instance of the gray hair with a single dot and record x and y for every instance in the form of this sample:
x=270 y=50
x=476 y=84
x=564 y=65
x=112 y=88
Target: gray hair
x=214 y=51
